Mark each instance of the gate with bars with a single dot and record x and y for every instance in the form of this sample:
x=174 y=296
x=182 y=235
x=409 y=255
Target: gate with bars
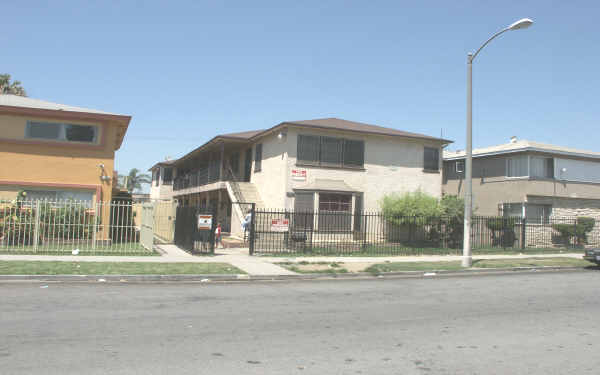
x=147 y=226
x=195 y=229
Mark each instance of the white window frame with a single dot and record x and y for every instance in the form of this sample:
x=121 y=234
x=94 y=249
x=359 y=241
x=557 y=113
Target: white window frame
x=460 y=162
x=62 y=134
x=517 y=177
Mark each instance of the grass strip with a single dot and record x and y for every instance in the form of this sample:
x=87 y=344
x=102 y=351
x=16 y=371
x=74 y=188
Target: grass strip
x=16 y=267
x=481 y=263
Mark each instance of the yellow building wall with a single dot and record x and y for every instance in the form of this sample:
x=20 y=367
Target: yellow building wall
x=41 y=164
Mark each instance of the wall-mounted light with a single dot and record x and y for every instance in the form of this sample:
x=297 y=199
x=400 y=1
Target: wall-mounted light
x=103 y=175
x=282 y=135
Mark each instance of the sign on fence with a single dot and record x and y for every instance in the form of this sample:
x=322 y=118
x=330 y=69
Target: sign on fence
x=280 y=225
x=204 y=222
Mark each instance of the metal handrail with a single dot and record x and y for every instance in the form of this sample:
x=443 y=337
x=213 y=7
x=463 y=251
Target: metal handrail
x=234 y=184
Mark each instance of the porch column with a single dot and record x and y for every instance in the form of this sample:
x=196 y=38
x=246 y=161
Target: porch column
x=222 y=166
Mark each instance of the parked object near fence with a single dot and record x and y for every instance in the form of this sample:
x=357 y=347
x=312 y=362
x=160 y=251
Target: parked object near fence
x=59 y=227
x=344 y=233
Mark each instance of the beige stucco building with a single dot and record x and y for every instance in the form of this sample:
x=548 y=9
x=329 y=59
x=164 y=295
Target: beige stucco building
x=323 y=164
x=528 y=179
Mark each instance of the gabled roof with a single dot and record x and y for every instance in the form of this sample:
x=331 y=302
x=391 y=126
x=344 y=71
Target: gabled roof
x=26 y=102
x=25 y=106
x=161 y=163
x=522 y=145
x=359 y=127
x=323 y=123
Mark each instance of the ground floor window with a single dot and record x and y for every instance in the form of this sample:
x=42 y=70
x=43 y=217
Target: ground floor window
x=59 y=195
x=335 y=202
x=534 y=213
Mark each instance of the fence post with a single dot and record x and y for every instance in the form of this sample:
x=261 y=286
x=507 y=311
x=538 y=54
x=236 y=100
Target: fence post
x=252 y=228
x=364 y=229
x=523 y=230
x=213 y=227
x=36 y=230
x=575 y=238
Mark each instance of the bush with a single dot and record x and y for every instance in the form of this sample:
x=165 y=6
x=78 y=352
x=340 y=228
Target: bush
x=503 y=230
x=410 y=204
x=578 y=230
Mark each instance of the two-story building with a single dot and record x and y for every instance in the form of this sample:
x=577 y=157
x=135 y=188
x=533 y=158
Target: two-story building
x=528 y=179
x=161 y=188
x=55 y=151
x=324 y=164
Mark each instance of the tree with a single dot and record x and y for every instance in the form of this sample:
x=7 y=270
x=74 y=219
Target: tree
x=134 y=180
x=14 y=88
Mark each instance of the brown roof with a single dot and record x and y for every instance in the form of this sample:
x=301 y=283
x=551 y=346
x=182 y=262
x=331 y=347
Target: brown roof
x=244 y=135
x=359 y=127
x=323 y=123
x=164 y=162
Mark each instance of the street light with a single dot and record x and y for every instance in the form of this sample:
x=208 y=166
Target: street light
x=466 y=259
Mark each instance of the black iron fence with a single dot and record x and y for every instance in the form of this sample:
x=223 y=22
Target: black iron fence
x=343 y=233
x=195 y=229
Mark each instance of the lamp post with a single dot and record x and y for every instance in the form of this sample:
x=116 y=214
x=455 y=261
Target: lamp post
x=466 y=259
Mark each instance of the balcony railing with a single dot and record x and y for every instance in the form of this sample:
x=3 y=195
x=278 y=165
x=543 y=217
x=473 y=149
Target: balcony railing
x=204 y=175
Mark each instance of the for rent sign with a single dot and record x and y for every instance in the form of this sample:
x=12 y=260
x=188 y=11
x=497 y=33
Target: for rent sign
x=204 y=222
x=280 y=225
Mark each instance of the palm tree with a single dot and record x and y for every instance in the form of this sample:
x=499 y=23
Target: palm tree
x=14 y=88
x=135 y=179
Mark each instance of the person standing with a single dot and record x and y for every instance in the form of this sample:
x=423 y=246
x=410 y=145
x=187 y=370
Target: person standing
x=218 y=236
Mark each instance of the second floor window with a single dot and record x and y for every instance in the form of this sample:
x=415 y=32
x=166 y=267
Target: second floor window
x=517 y=166
x=330 y=151
x=258 y=158
x=168 y=176
x=431 y=158
x=61 y=132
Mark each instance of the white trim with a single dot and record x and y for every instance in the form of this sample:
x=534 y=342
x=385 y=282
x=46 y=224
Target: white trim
x=526 y=149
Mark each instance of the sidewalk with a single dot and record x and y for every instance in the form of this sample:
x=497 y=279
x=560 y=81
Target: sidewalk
x=261 y=265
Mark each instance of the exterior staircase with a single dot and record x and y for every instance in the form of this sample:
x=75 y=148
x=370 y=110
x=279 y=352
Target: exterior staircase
x=250 y=194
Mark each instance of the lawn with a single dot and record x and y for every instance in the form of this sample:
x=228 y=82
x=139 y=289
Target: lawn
x=389 y=250
x=314 y=267
x=484 y=263
x=130 y=249
x=114 y=268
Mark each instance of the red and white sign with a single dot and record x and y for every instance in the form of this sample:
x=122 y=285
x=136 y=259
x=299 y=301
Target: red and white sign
x=280 y=225
x=204 y=222
x=299 y=174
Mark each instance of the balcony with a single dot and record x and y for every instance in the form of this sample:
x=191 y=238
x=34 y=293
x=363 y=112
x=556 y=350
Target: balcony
x=206 y=174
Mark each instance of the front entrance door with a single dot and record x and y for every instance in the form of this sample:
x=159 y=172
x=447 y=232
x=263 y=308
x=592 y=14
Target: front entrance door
x=248 y=165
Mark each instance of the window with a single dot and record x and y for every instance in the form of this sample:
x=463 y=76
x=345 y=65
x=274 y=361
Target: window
x=335 y=202
x=460 y=166
x=335 y=212
x=538 y=213
x=156 y=176
x=234 y=162
x=534 y=213
x=431 y=158
x=61 y=132
x=59 y=195
x=258 y=158
x=517 y=166
x=541 y=167
x=330 y=151
x=167 y=176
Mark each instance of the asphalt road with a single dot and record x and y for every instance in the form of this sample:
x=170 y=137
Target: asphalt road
x=534 y=323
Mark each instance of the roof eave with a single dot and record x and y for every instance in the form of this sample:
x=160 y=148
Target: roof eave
x=526 y=149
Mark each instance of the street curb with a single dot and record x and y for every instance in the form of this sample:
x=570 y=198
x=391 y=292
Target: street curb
x=298 y=277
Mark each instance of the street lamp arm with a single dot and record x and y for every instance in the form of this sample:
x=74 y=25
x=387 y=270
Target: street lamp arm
x=489 y=40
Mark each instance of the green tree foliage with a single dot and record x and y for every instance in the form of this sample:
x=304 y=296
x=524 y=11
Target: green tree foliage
x=410 y=204
x=577 y=230
x=8 y=87
x=134 y=180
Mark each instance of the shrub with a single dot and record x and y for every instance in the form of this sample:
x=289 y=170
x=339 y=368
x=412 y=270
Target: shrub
x=410 y=204
x=503 y=230
x=578 y=230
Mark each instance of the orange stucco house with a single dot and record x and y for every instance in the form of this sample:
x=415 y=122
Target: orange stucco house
x=55 y=151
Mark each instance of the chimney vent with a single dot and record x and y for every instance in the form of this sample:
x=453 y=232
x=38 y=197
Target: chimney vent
x=513 y=139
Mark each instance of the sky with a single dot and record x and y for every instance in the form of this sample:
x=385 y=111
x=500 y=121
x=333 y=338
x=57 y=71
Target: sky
x=189 y=70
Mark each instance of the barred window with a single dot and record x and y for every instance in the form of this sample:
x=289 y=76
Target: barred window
x=258 y=158
x=309 y=149
x=330 y=151
x=431 y=160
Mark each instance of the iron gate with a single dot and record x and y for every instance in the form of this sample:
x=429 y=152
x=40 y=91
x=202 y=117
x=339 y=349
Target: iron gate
x=191 y=232
x=147 y=226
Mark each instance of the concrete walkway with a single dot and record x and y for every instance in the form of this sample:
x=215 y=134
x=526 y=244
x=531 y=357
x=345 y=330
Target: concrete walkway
x=259 y=265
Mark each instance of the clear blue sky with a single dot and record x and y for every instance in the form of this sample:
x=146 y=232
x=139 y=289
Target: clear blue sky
x=187 y=71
